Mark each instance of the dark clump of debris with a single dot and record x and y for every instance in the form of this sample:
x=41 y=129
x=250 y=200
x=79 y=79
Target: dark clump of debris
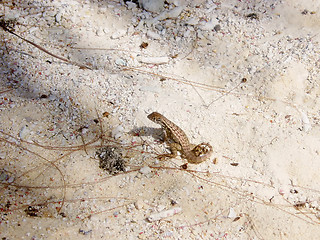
x=33 y=211
x=111 y=160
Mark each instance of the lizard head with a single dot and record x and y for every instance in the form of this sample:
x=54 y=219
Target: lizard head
x=155 y=117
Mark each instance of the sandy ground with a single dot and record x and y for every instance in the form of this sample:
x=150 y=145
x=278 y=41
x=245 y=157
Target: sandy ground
x=187 y=62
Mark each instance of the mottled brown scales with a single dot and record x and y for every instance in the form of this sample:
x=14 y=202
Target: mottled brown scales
x=179 y=141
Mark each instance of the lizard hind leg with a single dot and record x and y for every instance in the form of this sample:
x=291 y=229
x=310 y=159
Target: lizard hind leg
x=201 y=149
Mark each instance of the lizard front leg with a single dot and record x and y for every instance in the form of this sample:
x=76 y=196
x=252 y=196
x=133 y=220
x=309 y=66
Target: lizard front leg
x=174 y=148
x=199 y=153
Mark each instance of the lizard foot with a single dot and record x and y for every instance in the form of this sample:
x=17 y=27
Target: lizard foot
x=201 y=149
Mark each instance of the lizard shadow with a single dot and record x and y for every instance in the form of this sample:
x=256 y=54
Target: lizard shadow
x=156 y=133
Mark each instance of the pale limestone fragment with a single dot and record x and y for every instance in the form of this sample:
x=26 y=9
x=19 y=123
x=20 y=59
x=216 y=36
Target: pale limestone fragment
x=164 y=214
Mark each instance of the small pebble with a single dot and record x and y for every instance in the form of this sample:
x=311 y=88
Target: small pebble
x=120 y=33
x=217 y=28
x=139 y=204
x=58 y=17
x=24 y=132
x=115 y=214
x=159 y=27
x=153 y=35
x=164 y=214
x=145 y=170
x=232 y=214
x=117 y=132
x=160 y=208
x=84 y=232
x=207 y=26
x=121 y=62
x=11 y=179
x=131 y=5
x=306 y=123
x=100 y=32
x=152 y=5
x=3 y=176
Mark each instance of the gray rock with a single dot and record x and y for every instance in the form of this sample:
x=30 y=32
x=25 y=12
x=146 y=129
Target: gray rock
x=152 y=5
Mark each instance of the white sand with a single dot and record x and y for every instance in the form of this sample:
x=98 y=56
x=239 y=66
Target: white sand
x=265 y=132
